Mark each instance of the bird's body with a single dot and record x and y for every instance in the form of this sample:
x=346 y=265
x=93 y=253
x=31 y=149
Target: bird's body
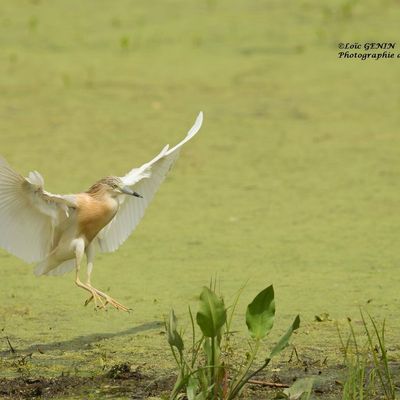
x=93 y=211
x=57 y=230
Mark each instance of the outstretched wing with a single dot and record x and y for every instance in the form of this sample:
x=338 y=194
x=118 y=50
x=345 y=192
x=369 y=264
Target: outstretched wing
x=28 y=214
x=144 y=180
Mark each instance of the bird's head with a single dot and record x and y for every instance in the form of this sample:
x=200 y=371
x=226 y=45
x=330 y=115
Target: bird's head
x=113 y=186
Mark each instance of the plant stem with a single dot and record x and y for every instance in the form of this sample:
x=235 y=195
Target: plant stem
x=213 y=369
x=384 y=356
x=244 y=380
x=375 y=358
x=174 y=354
x=242 y=377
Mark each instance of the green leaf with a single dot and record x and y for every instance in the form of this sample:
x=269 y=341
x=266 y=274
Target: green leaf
x=212 y=314
x=284 y=340
x=260 y=313
x=207 y=350
x=191 y=388
x=174 y=338
x=300 y=390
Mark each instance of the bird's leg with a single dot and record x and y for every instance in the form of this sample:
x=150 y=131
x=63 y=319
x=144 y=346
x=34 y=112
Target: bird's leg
x=89 y=255
x=79 y=250
x=98 y=293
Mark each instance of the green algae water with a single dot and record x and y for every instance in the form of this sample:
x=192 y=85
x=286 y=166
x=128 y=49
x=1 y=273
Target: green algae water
x=293 y=179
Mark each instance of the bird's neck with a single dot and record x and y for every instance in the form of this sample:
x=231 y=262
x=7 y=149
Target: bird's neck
x=99 y=192
x=104 y=196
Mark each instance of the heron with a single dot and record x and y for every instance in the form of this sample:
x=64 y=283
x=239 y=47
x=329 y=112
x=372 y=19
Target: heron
x=56 y=231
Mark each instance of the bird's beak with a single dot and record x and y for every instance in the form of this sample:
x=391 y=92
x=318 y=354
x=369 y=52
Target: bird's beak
x=129 y=191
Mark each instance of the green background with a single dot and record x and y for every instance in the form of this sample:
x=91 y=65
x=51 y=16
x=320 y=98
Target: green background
x=293 y=179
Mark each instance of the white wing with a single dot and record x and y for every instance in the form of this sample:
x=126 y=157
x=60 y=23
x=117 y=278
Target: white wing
x=28 y=214
x=145 y=181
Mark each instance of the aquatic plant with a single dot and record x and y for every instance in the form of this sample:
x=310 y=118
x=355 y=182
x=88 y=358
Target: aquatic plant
x=205 y=372
x=368 y=374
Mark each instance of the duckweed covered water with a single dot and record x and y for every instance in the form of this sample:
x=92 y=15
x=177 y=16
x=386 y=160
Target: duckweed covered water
x=293 y=179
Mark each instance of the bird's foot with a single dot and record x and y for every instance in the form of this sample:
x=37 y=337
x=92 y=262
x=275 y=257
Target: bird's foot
x=100 y=296
x=98 y=302
x=96 y=297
